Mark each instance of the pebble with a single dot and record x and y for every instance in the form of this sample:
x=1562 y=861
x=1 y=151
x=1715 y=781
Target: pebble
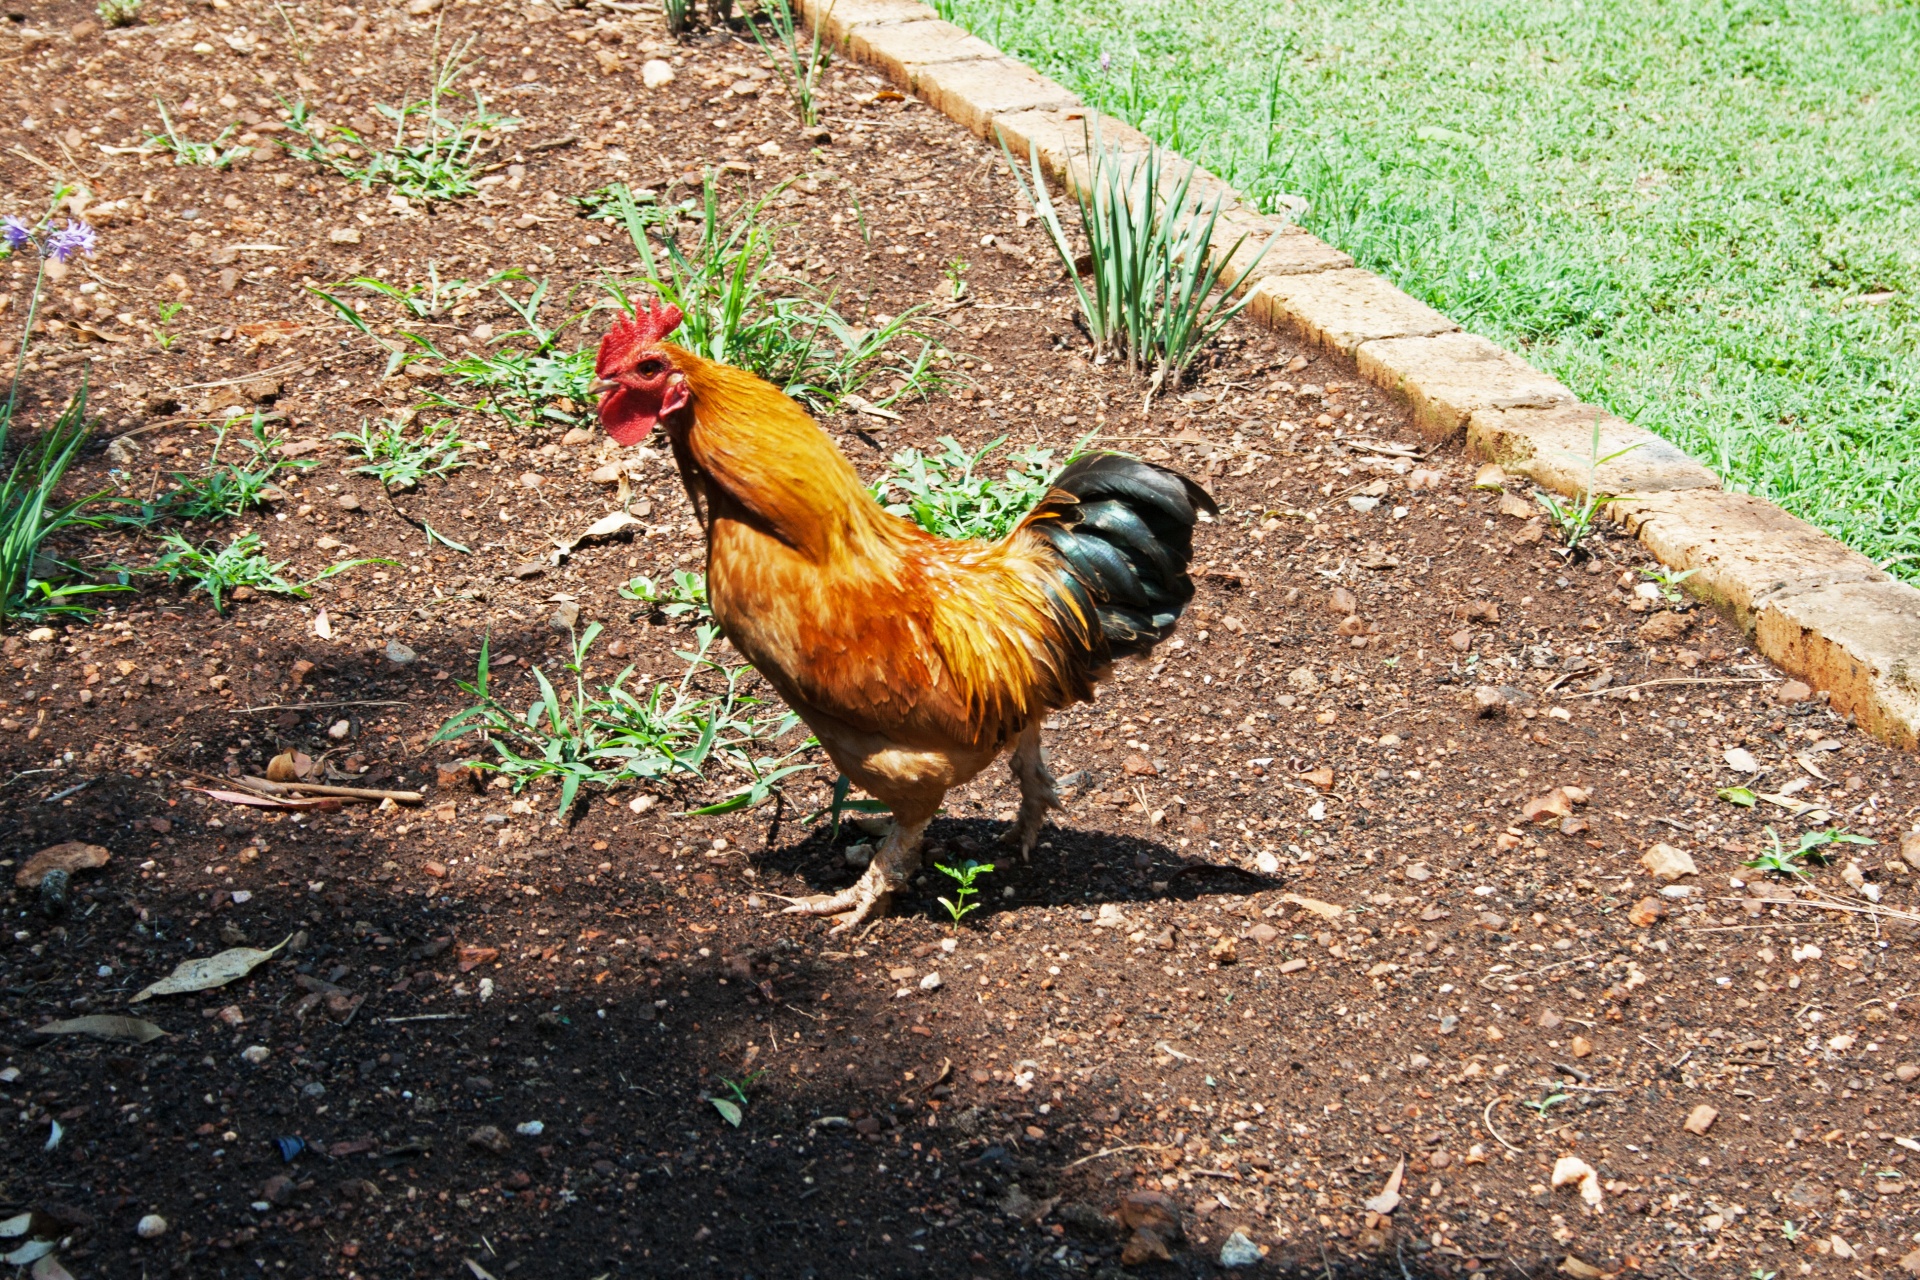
x=1667 y=862
x=531 y=1129
x=1487 y=700
x=565 y=617
x=1239 y=1251
x=1294 y=965
x=930 y=983
x=489 y=1138
x=339 y=729
x=1340 y=600
x=859 y=855
x=656 y=72
x=1701 y=1119
x=255 y=1054
x=1267 y=862
x=1791 y=692
x=400 y=654
x=531 y=569
x=151 y=1227
x=347 y=502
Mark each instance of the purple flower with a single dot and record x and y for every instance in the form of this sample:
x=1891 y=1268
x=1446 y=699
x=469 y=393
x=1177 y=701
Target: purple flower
x=1106 y=63
x=16 y=233
x=70 y=241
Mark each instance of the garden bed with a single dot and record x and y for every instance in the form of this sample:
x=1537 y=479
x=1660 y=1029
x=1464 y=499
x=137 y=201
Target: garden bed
x=1295 y=926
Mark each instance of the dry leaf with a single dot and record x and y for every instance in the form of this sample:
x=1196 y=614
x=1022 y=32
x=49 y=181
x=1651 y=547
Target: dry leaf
x=322 y=625
x=104 y=1026
x=472 y=957
x=214 y=971
x=49 y=1268
x=18 y=1224
x=74 y=855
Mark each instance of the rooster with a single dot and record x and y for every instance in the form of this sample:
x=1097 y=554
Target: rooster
x=916 y=660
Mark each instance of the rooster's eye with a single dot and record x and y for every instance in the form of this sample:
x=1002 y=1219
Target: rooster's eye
x=651 y=368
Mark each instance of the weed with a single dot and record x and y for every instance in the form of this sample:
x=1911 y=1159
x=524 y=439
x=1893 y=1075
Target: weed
x=1669 y=580
x=1811 y=843
x=229 y=489
x=211 y=155
x=733 y=1109
x=679 y=16
x=611 y=735
x=946 y=494
x=958 y=908
x=798 y=62
x=432 y=157
x=526 y=384
x=223 y=570
x=957 y=278
x=1790 y=1231
x=1150 y=265
x=118 y=13
x=426 y=301
x=685 y=594
x=603 y=204
x=401 y=461
x=1742 y=796
x=723 y=285
x=1550 y=1098
x=32 y=582
x=1573 y=520
x=166 y=311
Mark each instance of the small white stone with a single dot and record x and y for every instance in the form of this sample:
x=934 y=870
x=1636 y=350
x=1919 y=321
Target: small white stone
x=339 y=729
x=255 y=1054
x=151 y=1227
x=1267 y=861
x=655 y=72
x=930 y=983
x=531 y=1129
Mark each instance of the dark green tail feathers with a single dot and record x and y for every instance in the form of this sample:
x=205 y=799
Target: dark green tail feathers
x=1124 y=530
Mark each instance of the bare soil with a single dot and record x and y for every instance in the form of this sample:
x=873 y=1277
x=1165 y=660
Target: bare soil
x=1292 y=931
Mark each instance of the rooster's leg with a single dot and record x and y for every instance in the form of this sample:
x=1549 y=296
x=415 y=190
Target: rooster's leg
x=1037 y=794
x=893 y=865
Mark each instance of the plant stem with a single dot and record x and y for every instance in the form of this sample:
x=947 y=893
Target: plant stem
x=26 y=336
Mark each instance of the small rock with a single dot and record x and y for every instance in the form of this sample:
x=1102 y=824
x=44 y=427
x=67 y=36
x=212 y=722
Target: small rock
x=655 y=72
x=1263 y=933
x=1138 y=766
x=1488 y=701
x=1340 y=600
x=400 y=654
x=530 y=1129
x=1491 y=476
x=1530 y=533
x=1664 y=628
x=1573 y=1171
x=1516 y=507
x=255 y=1054
x=1907 y=1073
x=566 y=617
x=1548 y=1020
x=1267 y=862
x=151 y=1227
x=1239 y=1251
x=1110 y=917
x=1647 y=912
x=859 y=855
x=1791 y=692
x=278 y=1189
x=1294 y=965
x=1910 y=849
x=339 y=729
x=1581 y=1047
x=1423 y=478
x=1225 y=951
x=347 y=502
x=1701 y=1119
x=1461 y=640
x=930 y=983
x=531 y=479
x=1362 y=504
x=344 y=235
x=489 y=1138
x=531 y=569
x=1668 y=863
x=1154 y=1221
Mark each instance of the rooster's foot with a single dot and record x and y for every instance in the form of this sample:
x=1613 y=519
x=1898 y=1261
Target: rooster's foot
x=1037 y=792
x=866 y=901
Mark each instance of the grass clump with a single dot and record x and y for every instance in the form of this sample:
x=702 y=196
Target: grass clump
x=118 y=13
x=401 y=461
x=212 y=155
x=951 y=494
x=609 y=734
x=221 y=571
x=1704 y=217
x=735 y=310
x=34 y=583
x=432 y=156
x=1146 y=296
x=798 y=61
x=228 y=488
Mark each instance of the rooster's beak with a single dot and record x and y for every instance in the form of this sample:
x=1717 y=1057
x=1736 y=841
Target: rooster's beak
x=601 y=386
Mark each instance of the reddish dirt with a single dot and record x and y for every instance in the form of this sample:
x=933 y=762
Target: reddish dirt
x=1143 y=1008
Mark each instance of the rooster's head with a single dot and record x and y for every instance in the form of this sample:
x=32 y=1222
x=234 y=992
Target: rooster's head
x=639 y=384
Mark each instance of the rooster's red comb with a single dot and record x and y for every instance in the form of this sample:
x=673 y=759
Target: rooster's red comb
x=635 y=333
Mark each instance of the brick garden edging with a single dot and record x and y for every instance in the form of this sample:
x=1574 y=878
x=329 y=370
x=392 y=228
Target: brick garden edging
x=1815 y=607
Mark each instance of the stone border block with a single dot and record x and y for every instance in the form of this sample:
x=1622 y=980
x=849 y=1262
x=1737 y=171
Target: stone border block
x=1553 y=448
x=1859 y=641
x=900 y=48
x=1446 y=377
x=842 y=16
x=974 y=93
x=1340 y=310
x=1743 y=549
x=1061 y=137
x=1293 y=251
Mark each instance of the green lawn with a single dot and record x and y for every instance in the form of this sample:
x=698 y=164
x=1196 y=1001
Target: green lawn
x=1705 y=217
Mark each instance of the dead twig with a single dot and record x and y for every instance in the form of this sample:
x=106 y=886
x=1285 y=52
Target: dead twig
x=1649 y=684
x=315 y=706
x=1486 y=1118
x=350 y=793
x=1113 y=1151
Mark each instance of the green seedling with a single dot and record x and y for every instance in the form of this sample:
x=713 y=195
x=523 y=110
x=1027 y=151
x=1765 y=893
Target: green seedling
x=229 y=488
x=34 y=582
x=684 y=594
x=956 y=274
x=401 y=461
x=211 y=155
x=1669 y=580
x=219 y=571
x=958 y=908
x=1808 y=849
x=839 y=803
x=733 y=1109
x=432 y=157
x=166 y=311
x=118 y=13
x=951 y=495
x=1573 y=520
x=1790 y=1231
x=1552 y=1099
x=1742 y=796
